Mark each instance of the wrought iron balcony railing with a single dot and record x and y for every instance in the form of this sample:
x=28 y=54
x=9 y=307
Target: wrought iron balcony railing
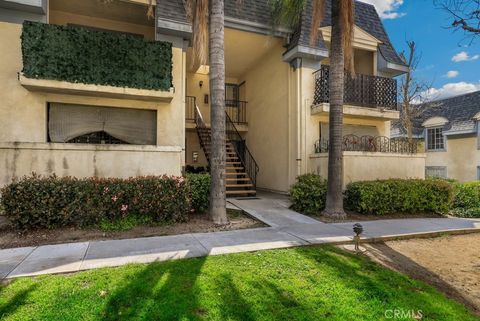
x=374 y=144
x=361 y=90
x=235 y=109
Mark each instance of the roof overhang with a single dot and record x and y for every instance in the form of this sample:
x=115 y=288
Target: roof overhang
x=174 y=28
x=305 y=52
x=182 y=29
x=250 y=26
x=472 y=131
x=32 y=6
x=389 y=67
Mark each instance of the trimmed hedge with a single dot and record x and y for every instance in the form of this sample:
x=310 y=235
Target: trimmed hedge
x=467 y=200
x=80 y=55
x=467 y=195
x=49 y=202
x=399 y=196
x=199 y=188
x=309 y=194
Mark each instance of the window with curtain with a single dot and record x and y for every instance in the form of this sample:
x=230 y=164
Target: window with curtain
x=101 y=125
x=435 y=139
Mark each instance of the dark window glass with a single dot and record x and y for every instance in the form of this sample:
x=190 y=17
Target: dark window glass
x=435 y=139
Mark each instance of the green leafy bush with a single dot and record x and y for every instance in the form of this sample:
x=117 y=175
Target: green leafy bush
x=199 y=189
x=473 y=212
x=308 y=194
x=399 y=196
x=467 y=200
x=467 y=195
x=49 y=202
x=81 y=55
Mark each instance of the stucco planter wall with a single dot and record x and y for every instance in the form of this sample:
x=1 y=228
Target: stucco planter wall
x=364 y=166
x=79 y=160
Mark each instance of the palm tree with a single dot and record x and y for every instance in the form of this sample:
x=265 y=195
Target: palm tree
x=341 y=57
x=208 y=47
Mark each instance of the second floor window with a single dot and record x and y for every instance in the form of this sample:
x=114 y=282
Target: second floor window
x=435 y=139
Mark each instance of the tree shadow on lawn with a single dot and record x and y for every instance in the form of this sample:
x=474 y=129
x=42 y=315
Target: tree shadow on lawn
x=18 y=300
x=181 y=290
x=399 y=262
x=378 y=289
x=160 y=291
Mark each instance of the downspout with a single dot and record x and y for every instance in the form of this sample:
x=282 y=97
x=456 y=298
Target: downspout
x=298 y=103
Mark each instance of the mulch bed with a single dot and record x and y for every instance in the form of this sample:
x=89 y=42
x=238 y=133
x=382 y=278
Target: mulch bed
x=197 y=223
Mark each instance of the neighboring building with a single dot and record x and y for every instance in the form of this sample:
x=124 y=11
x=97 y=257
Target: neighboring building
x=276 y=98
x=449 y=132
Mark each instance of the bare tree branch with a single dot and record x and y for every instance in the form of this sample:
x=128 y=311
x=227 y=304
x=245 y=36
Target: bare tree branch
x=465 y=15
x=413 y=92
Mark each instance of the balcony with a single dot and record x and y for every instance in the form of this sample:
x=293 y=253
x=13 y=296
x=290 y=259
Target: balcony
x=236 y=110
x=371 y=144
x=361 y=90
x=80 y=61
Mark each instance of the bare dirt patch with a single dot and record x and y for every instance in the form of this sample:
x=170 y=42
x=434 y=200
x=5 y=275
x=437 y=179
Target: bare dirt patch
x=449 y=263
x=356 y=217
x=197 y=223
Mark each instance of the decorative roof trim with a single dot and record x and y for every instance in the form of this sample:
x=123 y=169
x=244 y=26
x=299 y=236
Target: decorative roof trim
x=389 y=67
x=361 y=38
x=435 y=121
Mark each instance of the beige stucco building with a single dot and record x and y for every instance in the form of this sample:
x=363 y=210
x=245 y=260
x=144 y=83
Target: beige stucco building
x=276 y=100
x=449 y=133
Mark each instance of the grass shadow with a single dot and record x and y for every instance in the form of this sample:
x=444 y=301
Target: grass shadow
x=378 y=289
x=160 y=291
x=18 y=300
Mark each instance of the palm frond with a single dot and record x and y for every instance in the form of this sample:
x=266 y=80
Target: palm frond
x=347 y=21
x=150 y=12
x=286 y=13
x=318 y=15
x=197 y=12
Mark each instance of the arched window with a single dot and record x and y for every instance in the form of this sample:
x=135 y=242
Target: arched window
x=99 y=137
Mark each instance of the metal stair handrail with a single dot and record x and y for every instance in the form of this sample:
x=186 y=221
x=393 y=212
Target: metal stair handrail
x=232 y=135
x=244 y=154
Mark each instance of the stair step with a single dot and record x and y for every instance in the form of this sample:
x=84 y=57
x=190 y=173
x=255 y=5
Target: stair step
x=234 y=168
x=239 y=185
x=243 y=192
x=234 y=163
x=236 y=173
x=238 y=179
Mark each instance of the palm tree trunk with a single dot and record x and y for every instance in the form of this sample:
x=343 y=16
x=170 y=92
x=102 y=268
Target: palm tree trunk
x=334 y=205
x=217 y=93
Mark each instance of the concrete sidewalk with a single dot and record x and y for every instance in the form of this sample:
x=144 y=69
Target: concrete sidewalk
x=287 y=229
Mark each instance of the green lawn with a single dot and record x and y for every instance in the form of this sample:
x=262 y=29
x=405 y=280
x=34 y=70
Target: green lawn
x=316 y=283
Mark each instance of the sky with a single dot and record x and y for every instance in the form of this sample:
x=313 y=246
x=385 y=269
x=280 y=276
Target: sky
x=449 y=61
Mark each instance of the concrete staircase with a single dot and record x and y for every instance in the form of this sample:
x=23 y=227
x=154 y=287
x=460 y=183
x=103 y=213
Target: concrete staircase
x=238 y=181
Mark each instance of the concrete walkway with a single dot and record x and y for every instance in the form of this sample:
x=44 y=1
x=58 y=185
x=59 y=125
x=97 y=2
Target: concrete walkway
x=287 y=229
